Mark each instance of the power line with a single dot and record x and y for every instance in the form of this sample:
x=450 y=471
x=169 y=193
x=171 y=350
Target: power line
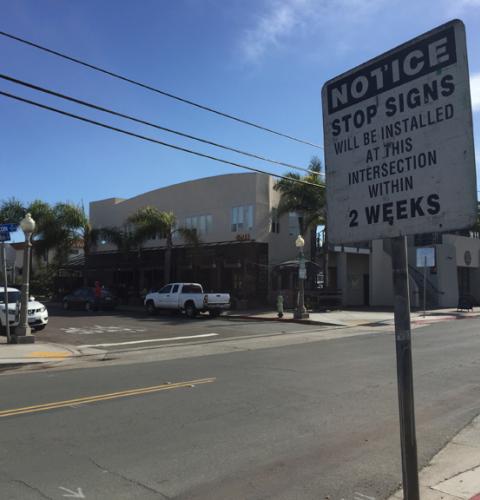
x=150 y=124
x=156 y=90
x=155 y=141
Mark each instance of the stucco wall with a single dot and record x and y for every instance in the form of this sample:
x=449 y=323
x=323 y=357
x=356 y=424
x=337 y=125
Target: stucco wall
x=447 y=277
x=215 y=196
x=381 y=281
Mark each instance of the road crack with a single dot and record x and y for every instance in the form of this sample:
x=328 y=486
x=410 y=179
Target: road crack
x=126 y=478
x=33 y=488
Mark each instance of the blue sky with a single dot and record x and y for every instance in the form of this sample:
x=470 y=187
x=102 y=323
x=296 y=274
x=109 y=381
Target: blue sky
x=264 y=60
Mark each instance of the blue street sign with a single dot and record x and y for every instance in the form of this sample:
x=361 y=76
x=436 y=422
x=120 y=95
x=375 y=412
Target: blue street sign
x=8 y=227
x=4 y=236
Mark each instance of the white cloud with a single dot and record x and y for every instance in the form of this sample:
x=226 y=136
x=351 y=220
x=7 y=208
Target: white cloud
x=279 y=21
x=458 y=7
x=475 y=91
x=467 y=3
x=282 y=20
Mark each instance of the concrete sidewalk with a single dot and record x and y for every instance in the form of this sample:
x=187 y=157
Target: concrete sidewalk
x=351 y=318
x=40 y=352
x=454 y=472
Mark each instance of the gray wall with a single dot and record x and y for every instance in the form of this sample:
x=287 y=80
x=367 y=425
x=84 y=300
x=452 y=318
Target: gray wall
x=381 y=282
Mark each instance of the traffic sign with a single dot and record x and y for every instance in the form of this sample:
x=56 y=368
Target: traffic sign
x=9 y=227
x=426 y=257
x=399 y=151
x=4 y=236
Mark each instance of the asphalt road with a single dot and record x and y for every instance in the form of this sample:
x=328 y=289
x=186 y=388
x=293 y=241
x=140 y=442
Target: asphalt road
x=306 y=421
x=124 y=330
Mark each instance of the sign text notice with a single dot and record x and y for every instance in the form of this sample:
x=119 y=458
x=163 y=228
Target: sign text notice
x=399 y=148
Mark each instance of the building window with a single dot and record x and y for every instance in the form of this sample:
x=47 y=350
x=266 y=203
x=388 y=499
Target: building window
x=275 y=228
x=201 y=223
x=293 y=225
x=129 y=229
x=242 y=218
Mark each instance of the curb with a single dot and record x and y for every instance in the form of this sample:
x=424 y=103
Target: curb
x=280 y=320
x=452 y=473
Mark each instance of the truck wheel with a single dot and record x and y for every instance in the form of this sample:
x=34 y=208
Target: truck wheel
x=190 y=310
x=150 y=307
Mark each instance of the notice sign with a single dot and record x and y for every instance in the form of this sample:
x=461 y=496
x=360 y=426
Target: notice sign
x=399 y=151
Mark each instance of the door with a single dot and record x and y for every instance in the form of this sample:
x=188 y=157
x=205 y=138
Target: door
x=463 y=282
x=162 y=297
x=171 y=298
x=366 y=290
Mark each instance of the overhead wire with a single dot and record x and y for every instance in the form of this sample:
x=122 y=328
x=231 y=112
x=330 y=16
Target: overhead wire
x=156 y=90
x=156 y=141
x=150 y=124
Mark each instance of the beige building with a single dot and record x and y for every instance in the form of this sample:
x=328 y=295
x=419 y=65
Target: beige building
x=242 y=238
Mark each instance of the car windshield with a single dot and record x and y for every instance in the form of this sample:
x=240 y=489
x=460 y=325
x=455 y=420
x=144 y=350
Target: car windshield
x=12 y=297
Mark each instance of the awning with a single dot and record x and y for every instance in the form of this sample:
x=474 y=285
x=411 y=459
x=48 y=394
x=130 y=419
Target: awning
x=293 y=264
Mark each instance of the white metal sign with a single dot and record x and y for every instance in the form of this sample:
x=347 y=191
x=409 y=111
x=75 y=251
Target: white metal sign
x=426 y=257
x=399 y=151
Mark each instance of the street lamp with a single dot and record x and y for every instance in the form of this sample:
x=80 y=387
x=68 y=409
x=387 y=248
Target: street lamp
x=23 y=333
x=300 y=311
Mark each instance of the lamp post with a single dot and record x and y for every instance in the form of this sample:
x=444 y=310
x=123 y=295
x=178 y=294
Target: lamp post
x=300 y=311
x=23 y=333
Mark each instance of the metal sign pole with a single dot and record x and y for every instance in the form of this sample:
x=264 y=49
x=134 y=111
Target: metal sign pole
x=5 y=288
x=404 y=368
x=424 y=286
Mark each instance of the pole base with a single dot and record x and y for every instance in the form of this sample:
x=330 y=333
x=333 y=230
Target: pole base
x=23 y=339
x=300 y=315
x=22 y=335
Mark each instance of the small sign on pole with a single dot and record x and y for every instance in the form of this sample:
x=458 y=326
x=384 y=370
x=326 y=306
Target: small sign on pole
x=426 y=257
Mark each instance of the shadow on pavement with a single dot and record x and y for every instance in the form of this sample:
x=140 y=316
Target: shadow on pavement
x=171 y=318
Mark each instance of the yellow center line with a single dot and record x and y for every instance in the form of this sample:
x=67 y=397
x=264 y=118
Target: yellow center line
x=103 y=397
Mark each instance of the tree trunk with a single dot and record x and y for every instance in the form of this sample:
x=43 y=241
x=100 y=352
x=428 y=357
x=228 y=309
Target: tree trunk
x=86 y=253
x=141 y=280
x=85 y=277
x=167 y=270
x=313 y=244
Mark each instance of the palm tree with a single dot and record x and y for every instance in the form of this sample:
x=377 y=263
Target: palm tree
x=77 y=230
x=124 y=241
x=12 y=210
x=150 y=222
x=309 y=202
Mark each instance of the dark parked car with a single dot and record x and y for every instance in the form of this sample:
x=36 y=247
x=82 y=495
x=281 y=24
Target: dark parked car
x=84 y=298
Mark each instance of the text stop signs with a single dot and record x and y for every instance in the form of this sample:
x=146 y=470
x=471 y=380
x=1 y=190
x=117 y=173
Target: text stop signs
x=398 y=141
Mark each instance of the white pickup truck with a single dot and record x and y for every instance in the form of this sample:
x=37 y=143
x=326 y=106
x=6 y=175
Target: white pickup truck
x=188 y=297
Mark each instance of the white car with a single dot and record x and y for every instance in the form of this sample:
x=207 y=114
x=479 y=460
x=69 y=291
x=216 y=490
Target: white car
x=37 y=312
x=188 y=297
